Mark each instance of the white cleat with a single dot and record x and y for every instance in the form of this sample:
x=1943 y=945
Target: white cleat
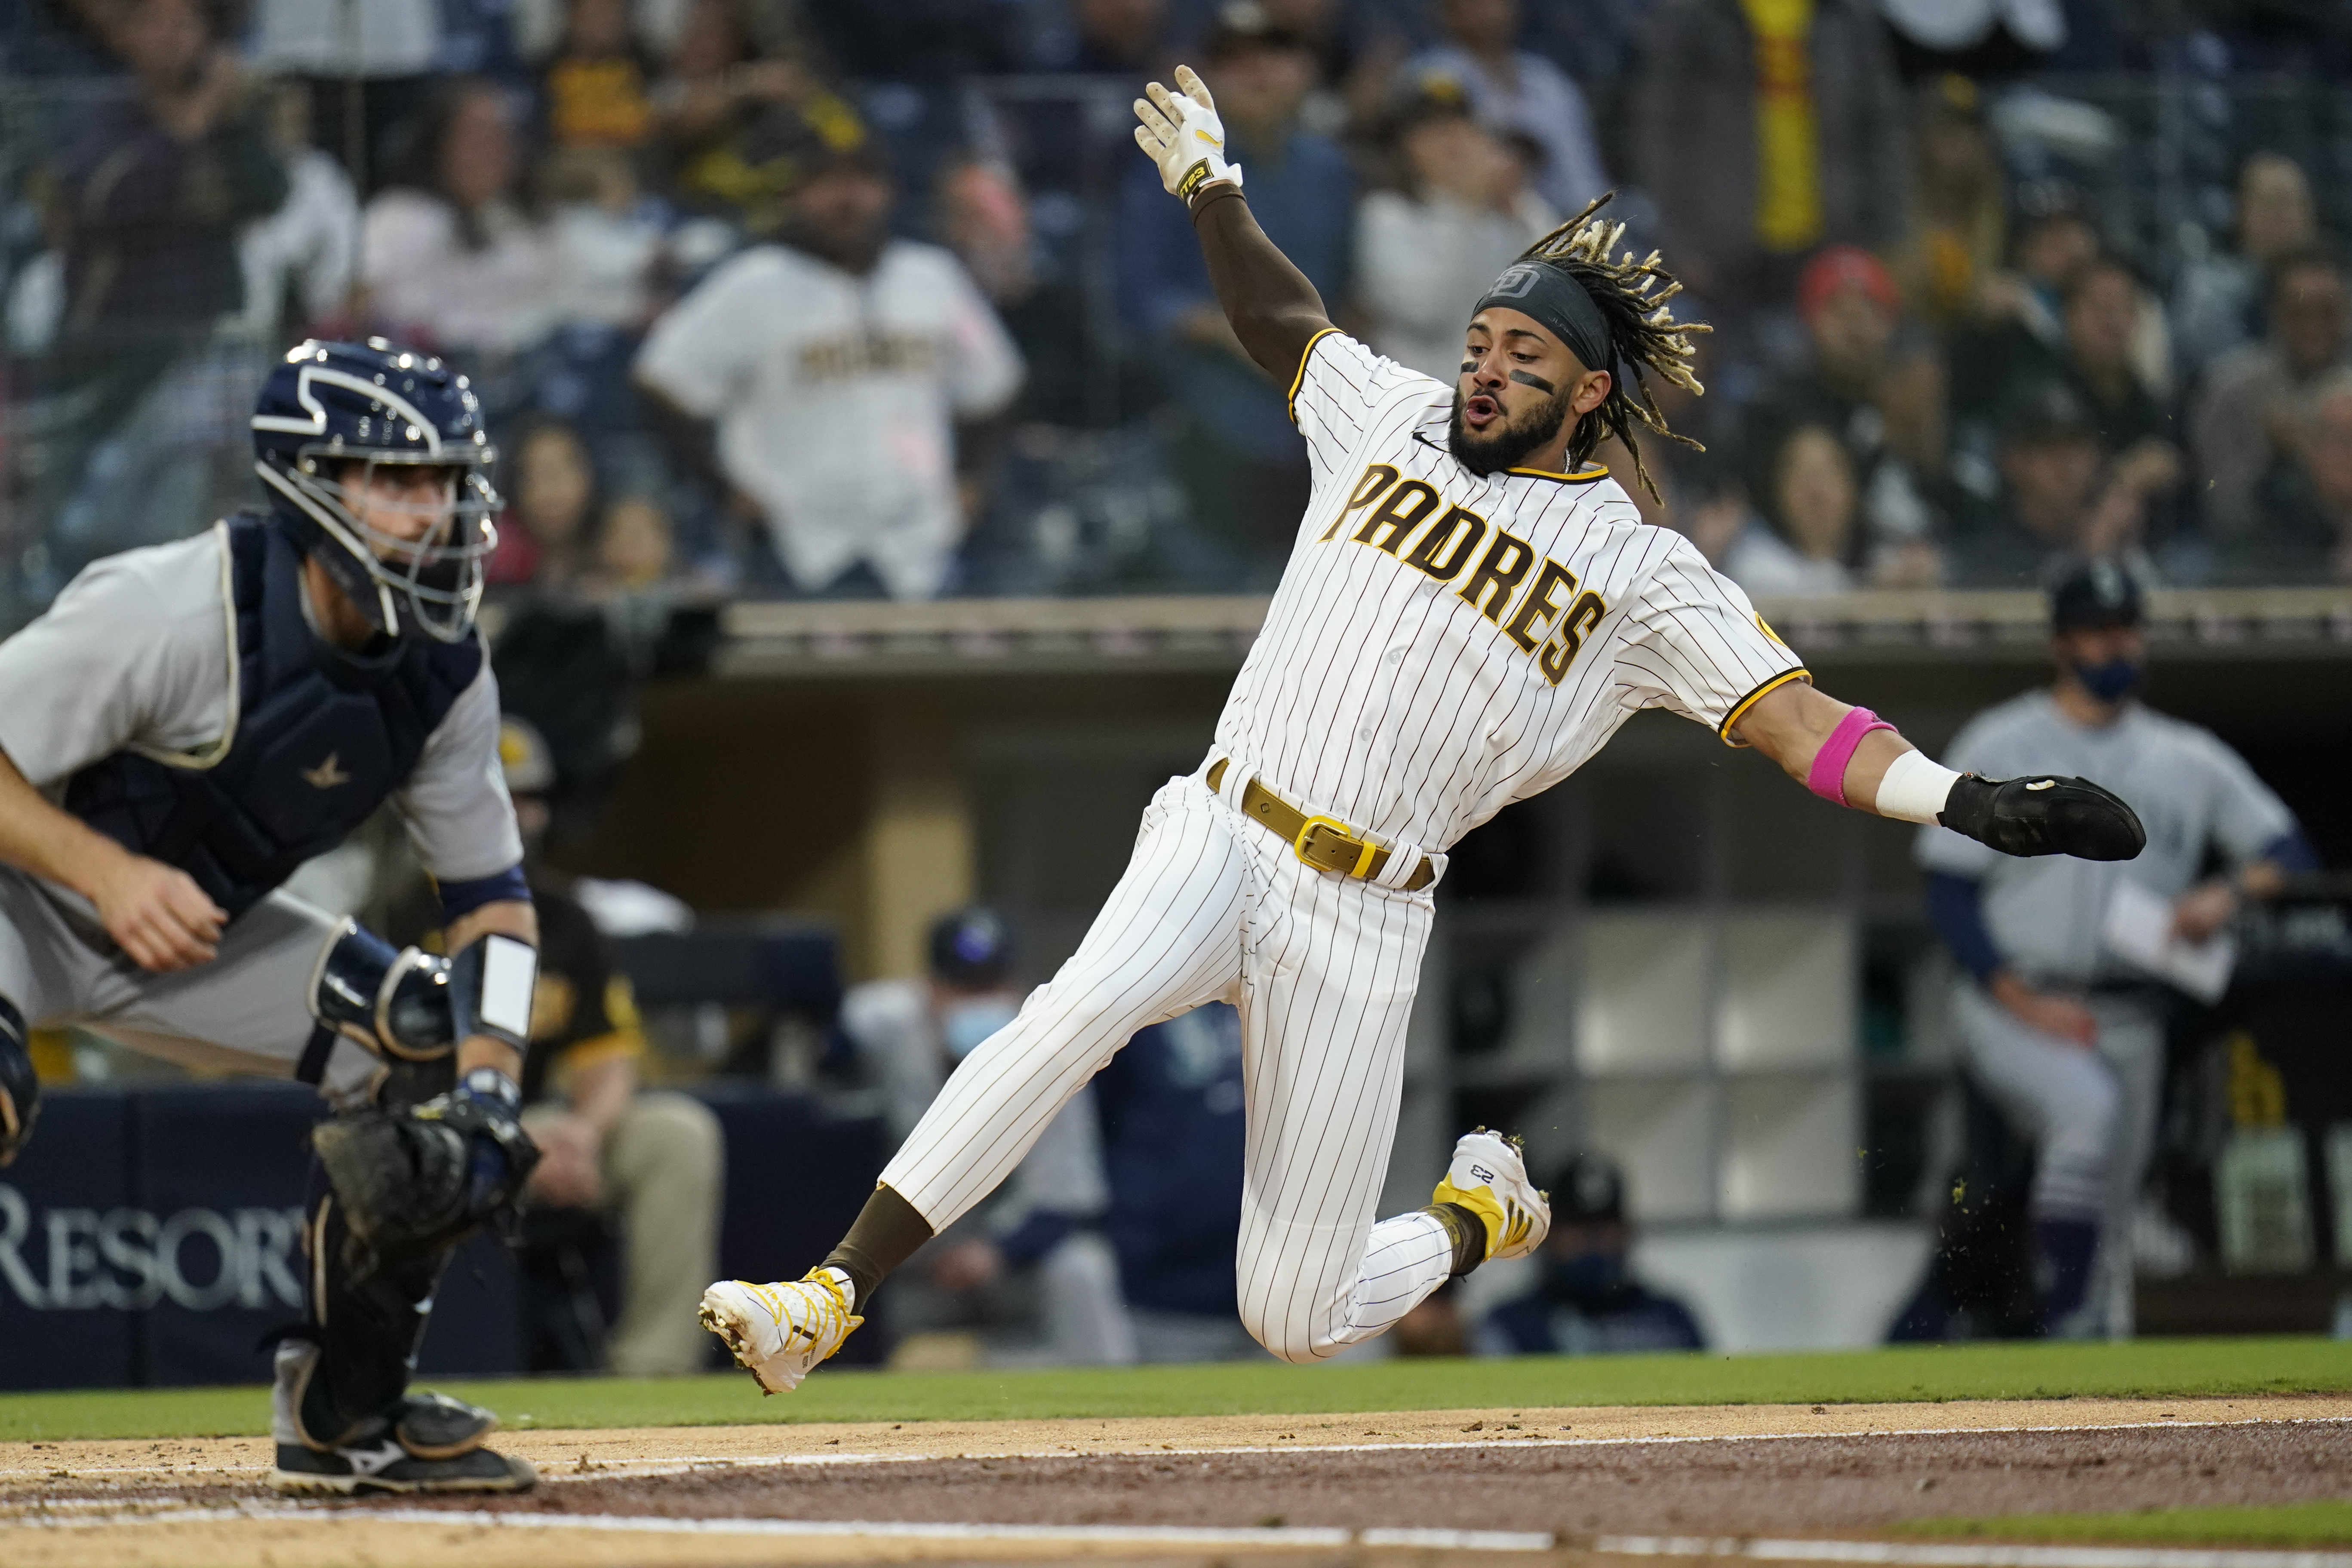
x=779 y=1331
x=1489 y=1178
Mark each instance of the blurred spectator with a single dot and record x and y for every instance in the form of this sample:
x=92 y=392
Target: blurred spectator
x=604 y=238
x=143 y=399
x=1511 y=91
x=634 y=546
x=836 y=366
x=551 y=494
x=2061 y=494
x=1426 y=254
x=369 y=69
x=536 y=28
x=155 y=186
x=450 y=258
x=740 y=110
x=1953 y=242
x=2018 y=326
x=1589 y=1302
x=2102 y=318
x=596 y=90
x=2065 y=1033
x=1762 y=130
x=298 y=261
x=1045 y=1222
x=1171 y=1104
x=2303 y=532
x=2218 y=300
x=1810 y=544
x=1877 y=389
x=1242 y=464
x=2243 y=419
x=1110 y=38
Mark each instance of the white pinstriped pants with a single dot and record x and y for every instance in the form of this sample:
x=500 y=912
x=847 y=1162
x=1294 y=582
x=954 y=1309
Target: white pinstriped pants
x=1214 y=907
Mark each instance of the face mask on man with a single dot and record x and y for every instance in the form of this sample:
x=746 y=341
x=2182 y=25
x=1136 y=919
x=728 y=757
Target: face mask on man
x=2112 y=681
x=1586 y=1277
x=967 y=1023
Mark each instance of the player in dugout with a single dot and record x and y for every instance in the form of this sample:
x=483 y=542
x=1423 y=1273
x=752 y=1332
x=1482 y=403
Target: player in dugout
x=1470 y=609
x=2063 y=1031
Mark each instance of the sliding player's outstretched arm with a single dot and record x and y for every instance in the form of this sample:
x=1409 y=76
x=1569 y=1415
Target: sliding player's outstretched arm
x=1274 y=310
x=1853 y=757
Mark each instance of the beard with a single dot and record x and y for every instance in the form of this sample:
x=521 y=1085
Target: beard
x=1508 y=447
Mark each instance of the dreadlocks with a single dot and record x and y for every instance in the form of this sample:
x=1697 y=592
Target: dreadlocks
x=1644 y=331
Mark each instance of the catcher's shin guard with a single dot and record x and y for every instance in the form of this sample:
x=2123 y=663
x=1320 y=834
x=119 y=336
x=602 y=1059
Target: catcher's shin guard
x=343 y=1417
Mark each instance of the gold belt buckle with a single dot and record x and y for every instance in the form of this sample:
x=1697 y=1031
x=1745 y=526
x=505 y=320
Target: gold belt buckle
x=1304 y=846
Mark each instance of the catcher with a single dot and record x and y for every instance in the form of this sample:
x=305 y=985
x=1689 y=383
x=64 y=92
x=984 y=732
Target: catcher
x=187 y=724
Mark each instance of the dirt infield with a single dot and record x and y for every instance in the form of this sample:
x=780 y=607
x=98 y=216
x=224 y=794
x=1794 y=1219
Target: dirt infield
x=1550 y=1478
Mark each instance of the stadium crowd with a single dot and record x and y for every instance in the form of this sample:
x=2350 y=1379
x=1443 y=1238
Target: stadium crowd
x=823 y=298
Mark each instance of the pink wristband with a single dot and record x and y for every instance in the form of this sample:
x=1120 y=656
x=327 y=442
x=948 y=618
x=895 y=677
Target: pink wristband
x=1827 y=777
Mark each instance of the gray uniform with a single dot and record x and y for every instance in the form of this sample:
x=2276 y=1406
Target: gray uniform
x=138 y=654
x=2091 y=1114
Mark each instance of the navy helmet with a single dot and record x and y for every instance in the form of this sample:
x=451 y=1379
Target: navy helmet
x=328 y=406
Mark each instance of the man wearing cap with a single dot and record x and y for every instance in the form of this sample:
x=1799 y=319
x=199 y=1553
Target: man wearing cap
x=1878 y=391
x=2063 y=1033
x=2061 y=496
x=1586 y=1300
x=835 y=367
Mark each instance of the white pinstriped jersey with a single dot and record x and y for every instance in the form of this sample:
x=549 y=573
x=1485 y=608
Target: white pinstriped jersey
x=1445 y=643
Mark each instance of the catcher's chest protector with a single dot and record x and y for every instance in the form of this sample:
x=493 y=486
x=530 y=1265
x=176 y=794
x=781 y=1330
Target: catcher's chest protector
x=323 y=736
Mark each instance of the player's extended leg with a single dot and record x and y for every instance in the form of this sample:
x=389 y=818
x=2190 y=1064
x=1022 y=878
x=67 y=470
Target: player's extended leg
x=342 y=1418
x=1330 y=970
x=1169 y=939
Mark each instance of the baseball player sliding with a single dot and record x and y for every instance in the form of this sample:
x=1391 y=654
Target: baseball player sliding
x=1470 y=608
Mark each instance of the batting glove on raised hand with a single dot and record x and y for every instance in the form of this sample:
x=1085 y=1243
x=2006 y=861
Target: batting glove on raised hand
x=1184 y=135
x=2044 y=814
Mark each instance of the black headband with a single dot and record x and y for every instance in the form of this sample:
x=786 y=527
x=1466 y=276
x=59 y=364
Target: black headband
x=1555 y=299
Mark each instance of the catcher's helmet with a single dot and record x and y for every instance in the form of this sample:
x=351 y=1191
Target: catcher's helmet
x=328 y=404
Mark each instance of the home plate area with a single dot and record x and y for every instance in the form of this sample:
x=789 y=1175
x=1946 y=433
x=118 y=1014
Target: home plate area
x=1338 y=1488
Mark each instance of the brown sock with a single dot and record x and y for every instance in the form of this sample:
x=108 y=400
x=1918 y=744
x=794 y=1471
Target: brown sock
x=1467 y=1231
x=887 y=1232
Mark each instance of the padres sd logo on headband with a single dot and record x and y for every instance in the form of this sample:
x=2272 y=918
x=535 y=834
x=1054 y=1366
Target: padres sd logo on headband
x=1517 y=283
x=1548 y=292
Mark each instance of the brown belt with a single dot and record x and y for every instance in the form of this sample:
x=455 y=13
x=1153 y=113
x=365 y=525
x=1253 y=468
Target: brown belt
x=1320 y=841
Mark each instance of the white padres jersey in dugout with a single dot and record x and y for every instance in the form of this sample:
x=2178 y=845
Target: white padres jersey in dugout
x=1442 y=644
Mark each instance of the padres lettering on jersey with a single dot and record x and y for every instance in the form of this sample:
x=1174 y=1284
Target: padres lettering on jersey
x=1444 y=642
x=1397 y=509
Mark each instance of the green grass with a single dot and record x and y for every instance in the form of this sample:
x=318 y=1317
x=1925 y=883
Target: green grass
x=2153 y=1368
x=2324 y=1523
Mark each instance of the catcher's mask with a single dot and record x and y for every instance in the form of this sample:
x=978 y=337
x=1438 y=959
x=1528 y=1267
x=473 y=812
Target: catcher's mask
x=329 y=419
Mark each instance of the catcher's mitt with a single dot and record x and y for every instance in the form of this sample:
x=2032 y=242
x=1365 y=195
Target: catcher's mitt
x=2044 y=814
x=423 y=1178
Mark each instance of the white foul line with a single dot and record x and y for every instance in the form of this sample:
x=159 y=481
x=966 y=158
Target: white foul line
x=1940 y=1555
x=1893 y=1554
